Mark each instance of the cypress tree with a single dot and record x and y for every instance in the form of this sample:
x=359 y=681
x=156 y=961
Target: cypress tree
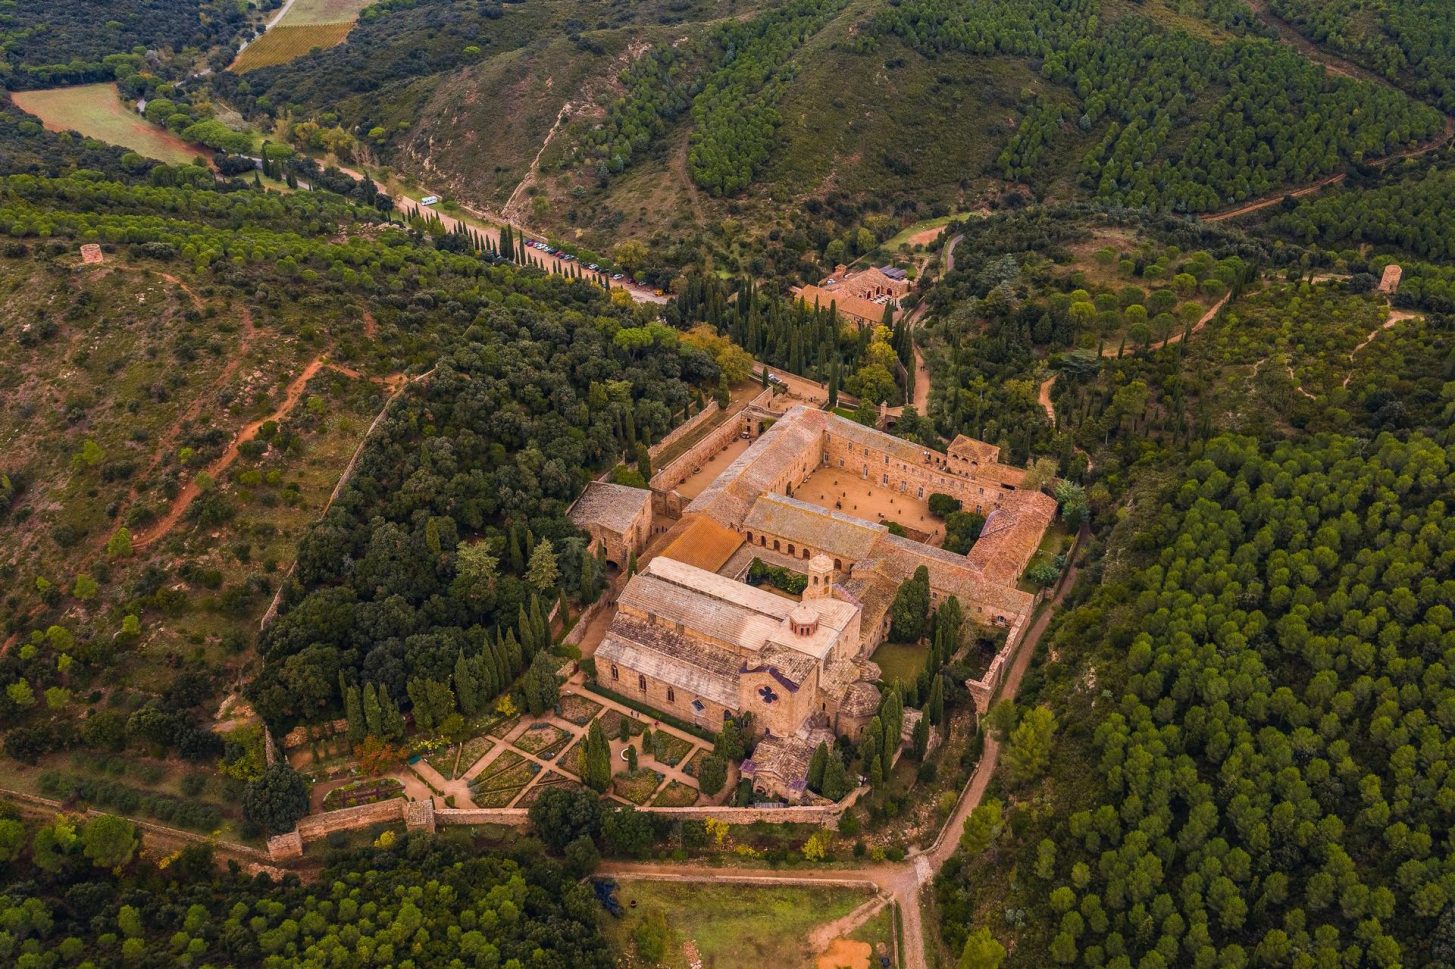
x=514 y=655
x=921 y=738
x=817 y=766
x=391 y=721
x=354 y=711
x=527 y=630
x=596 y=759
x=373 y=712
x=467 y=686
x=936 y=705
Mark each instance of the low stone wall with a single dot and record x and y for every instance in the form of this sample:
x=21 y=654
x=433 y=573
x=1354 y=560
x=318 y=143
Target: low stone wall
x=511 y=817
x=317 y=826
x=685 y=428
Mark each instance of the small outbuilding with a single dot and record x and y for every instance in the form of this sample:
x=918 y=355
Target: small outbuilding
x=618 y=518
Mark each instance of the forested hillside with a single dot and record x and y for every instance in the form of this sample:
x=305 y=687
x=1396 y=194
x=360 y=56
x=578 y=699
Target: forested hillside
x=1262 y=701
x=1411 y=42
x=76 y=41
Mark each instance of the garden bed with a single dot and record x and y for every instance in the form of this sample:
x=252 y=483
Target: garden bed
x=676 y=794
x=611 y=724
x=636 y=787
x=542 y=739
x=548 y=780
x=455 y=760
x=578 y=709
x=498 y=785
x=668 y=749
x=362 y=792
x=571 y=760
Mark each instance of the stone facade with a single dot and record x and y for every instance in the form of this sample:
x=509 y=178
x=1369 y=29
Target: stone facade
x=702 y=646
x=618 y=519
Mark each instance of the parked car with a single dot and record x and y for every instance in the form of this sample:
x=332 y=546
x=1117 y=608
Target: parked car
x=429 y=200
x=593 y=267
x=616 y=275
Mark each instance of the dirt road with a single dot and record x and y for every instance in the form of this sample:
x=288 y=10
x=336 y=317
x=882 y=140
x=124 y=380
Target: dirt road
x=1334 y=64
x=903 y=881
x=218 y=467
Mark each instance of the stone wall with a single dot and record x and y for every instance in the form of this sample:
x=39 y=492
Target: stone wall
x=980 y=495
x=317 y=826
x=685 y=428
x=424 y=816
x=680 y=469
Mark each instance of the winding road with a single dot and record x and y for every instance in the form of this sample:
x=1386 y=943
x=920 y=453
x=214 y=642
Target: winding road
x=902 y=881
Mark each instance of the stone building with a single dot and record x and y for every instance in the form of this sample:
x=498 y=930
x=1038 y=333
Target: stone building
x=617 y=517
x=861 y=296
x=704 y=646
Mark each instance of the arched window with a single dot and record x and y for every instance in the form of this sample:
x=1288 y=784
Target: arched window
x=791 y=550
x=671 y=695
x=641 y=683
x=839 y=564
x=615 y=674
x=805 y=553
x=775 y=544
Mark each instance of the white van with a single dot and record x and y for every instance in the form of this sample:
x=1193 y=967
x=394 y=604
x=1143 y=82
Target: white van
x=429 y=200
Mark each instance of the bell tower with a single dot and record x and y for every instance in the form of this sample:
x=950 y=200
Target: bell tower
x=820 y=578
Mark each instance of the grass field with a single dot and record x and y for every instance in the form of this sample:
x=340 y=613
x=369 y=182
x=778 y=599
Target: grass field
x=96 y=111
x=900 y=661
x=306 y=25
x=730 y=926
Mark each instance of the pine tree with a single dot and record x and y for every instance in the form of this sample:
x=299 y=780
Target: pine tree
x=542 y=571
x=527 y=632
x=373 y=712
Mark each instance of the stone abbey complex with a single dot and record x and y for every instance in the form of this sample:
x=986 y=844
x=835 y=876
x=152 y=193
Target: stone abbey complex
x=692 y=638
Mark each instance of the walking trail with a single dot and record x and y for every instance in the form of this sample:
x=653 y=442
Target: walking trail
x=218 y=467
x=902 y=881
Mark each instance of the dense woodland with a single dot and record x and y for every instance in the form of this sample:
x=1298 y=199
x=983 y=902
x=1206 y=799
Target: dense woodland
x=1266 y=725
x=1408 y=215
x=412 y=901
x=729 y=81
x=1410 y=42
x=1256 y=662
x=486 y=454
x=78 y=41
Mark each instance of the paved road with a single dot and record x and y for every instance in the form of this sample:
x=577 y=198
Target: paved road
x=485 y=226
x=905 y=880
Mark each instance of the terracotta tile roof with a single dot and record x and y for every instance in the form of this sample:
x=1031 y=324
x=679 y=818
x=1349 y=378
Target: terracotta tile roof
x=950 y=574
x=848 y=304
x=612 y=506
x=704 y=543
x=896 y=447
x=785 y=759
x=730 y=496
x=973 y=450
x=1011 y=535
x=861 y=700
x=794 y=666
